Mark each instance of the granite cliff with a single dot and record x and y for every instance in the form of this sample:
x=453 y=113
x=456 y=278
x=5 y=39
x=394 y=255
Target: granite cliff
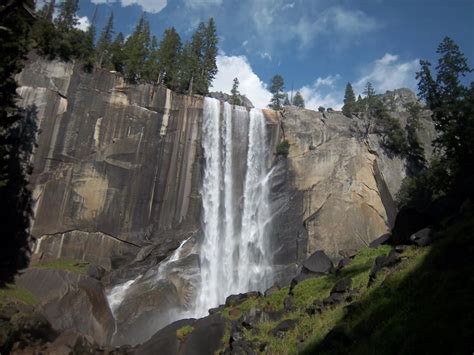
x=117 y=177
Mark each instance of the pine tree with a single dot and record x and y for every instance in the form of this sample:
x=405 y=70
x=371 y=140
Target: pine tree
x=105 y=42
x=168 y=58
x=67 y=19
x=277 y=89
x=117 y=56
x=286 y=102
x=369 y=93
x=204 y=51
x=235 y=98
x=451 y=104
x=298 y=100
x=136 y=51
x=349 y=101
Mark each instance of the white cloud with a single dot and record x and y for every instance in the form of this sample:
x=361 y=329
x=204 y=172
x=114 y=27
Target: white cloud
x=265 y=55
x=333 y=20
x=314 y=98
x=83 y=23
x=152 y=6
x=231 y=67
x=389 y=73
x=330 y=80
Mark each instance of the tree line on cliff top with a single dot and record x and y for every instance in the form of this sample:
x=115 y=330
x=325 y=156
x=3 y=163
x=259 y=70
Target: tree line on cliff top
x=141 y=57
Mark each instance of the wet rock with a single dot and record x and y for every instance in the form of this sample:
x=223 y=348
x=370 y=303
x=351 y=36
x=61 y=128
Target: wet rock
x=95 y=271
x=144 y=253
x=165 y=341
x=383 y=239
x=318 y=263
x=206 y=338
x=342 y=286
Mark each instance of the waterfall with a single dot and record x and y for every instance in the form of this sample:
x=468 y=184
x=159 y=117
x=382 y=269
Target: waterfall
x=235 y=251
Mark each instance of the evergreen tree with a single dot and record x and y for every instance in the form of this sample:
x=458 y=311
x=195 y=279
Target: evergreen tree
x=235 y=98
x=321 y=109
x=360 y=104
x=286 y=102
x=67 y=19
x=349 y=101
x=17 y=134
x=298 y=100
x=136 y=51
x=370 y=98
x=151 y=70
x=168 y=58
x=452 y=107
x=117 y=57
x=103 y=48
x=204 y=52
x=277 y=89
x=188 y=65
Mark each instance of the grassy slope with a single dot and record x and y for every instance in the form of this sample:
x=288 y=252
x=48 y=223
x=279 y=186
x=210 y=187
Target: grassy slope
x=423 y=305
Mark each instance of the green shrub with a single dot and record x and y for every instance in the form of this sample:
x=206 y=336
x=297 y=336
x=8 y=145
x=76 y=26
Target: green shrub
x=283 y=148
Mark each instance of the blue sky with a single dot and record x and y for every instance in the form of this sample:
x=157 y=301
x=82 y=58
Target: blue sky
x=316 y=45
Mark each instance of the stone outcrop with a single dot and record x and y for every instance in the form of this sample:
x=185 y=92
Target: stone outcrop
x=343 y=178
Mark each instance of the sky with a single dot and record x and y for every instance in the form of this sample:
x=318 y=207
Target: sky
x=316 y=45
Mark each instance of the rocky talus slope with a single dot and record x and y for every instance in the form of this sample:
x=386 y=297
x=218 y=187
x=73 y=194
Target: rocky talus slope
x=117 y=176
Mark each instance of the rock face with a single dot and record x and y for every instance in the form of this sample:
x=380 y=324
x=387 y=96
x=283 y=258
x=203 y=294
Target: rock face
x=116 y=159
x=342 y=181
x=117 y=178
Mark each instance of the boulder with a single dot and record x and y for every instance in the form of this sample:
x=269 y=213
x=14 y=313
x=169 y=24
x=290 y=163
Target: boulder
x=342 y=286
x=48 y=284
x=407 y=222
x=83 y=308
x=383 y=239
x=383 y=261
x=206 y=338
x=318 y=263
x=234 y=300
x=283 y=327
x=423 y=237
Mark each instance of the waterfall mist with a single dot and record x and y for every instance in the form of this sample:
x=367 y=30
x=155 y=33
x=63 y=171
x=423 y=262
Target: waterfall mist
x=235 y=194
